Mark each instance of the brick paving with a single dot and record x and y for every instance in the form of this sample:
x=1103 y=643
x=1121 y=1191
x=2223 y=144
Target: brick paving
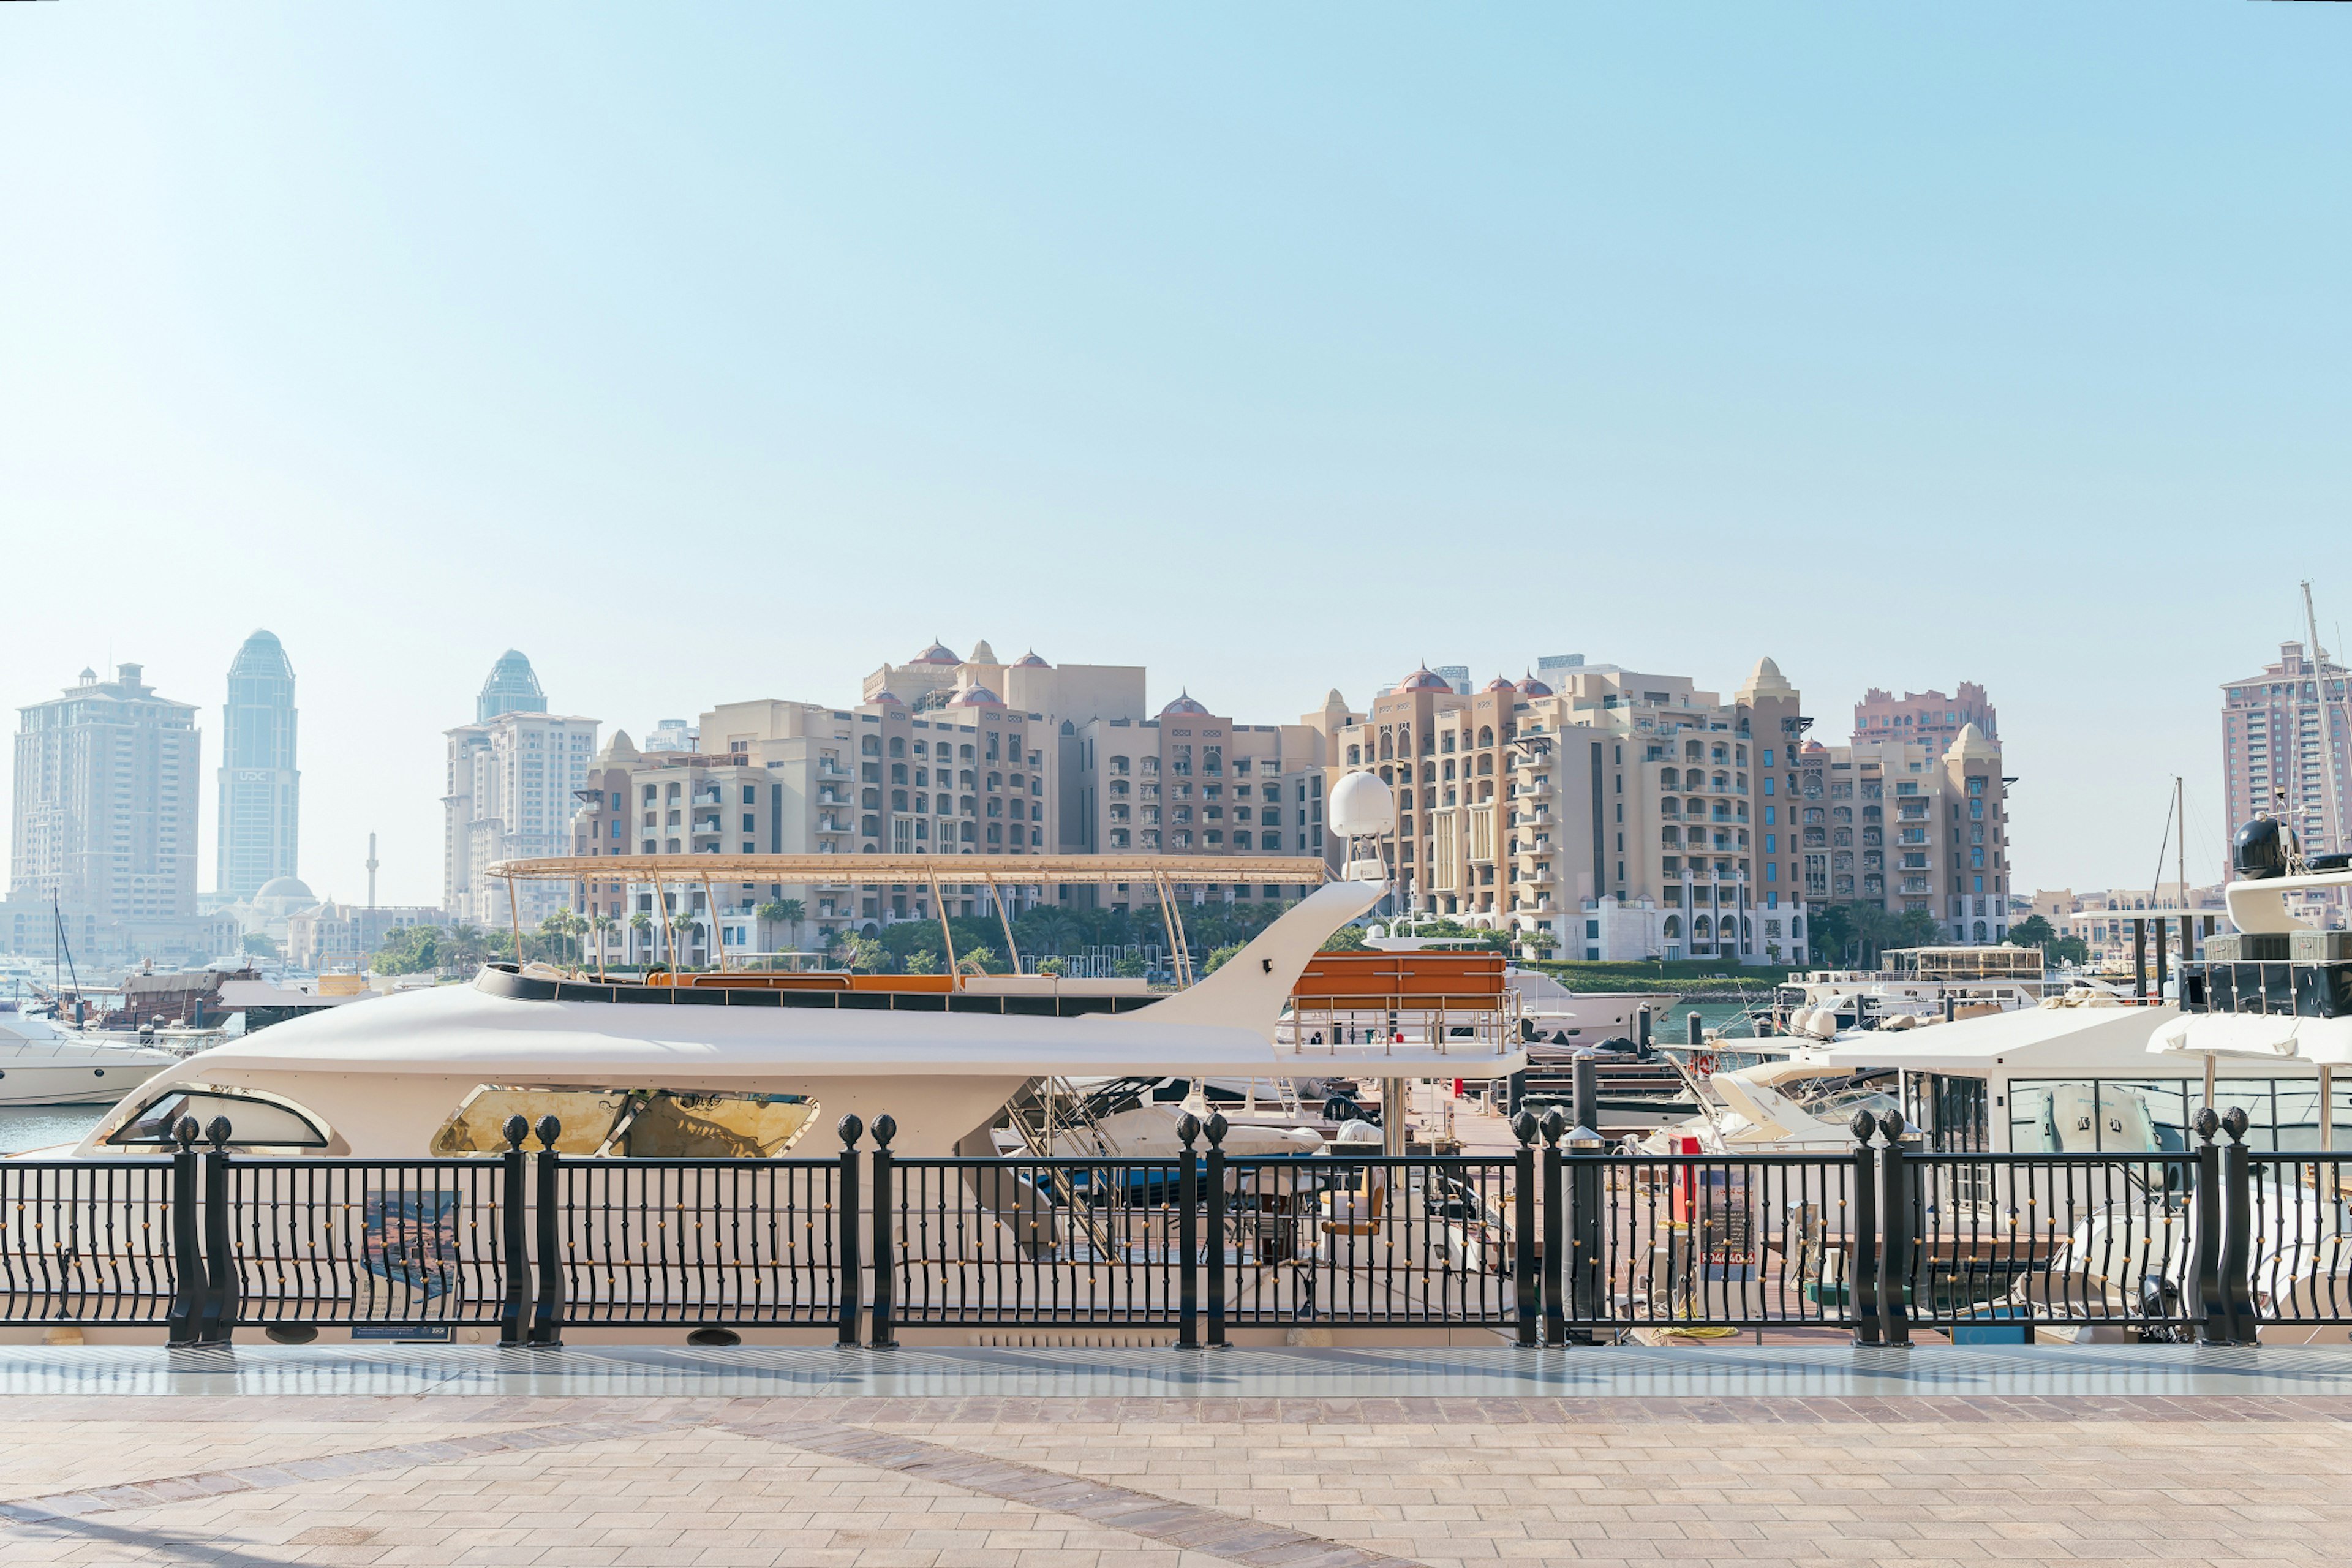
x=972 y=1482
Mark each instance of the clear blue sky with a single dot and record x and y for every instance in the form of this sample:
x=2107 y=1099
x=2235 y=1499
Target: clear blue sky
x=710 y=352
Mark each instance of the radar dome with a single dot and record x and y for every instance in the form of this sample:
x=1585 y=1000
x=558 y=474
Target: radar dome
x=1362 y=807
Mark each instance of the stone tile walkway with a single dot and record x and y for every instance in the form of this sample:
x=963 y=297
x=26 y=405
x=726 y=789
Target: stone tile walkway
x=1269 y=1481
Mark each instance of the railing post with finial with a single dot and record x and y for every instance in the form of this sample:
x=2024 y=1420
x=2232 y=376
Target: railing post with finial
x=886 y=1261
x=514 y=1238
x=2237 y=1230
x=2206 y=1297
x=1215 y=1259
x=1525 y=1282
x=1188 y=1236
x=1555 y=1235
x=1894 y=1225
x=547 y=1310
x=849 y=1279
x=1862 y=1237
x=185 y=1321
x=220 y=1266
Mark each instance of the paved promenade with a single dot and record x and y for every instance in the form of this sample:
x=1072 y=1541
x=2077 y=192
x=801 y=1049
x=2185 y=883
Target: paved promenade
x=1147 y=1459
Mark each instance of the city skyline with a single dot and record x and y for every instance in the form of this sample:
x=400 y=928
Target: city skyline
x=1108 y=336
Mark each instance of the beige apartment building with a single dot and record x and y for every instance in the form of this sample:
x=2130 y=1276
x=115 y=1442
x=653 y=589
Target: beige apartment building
x=1620 y=816
x=1910 y=826
x=1194 y=783
x=945 y=756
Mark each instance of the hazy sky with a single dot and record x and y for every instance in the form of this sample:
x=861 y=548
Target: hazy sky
x=708 y=354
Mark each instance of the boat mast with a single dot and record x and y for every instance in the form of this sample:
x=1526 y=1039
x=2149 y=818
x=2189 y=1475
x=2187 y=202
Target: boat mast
x=2326 y=726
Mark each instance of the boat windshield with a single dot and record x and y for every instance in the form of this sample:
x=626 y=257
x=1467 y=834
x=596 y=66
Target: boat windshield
x=1840 y=1104
x=253 y=1122
x=632 y=1124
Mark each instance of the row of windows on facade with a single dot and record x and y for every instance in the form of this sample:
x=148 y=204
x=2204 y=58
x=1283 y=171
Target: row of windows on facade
x=1397 y=742
x=1180 y=763
x=947 y=751
x=1212 y=839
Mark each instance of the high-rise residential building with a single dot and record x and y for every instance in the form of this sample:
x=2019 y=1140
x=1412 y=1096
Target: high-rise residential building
x=1910 y=826
x=105 y=804
x=259 y=786
x=508 y=795
x=1618 y=816
x=2285 y=735
x=1925 y=718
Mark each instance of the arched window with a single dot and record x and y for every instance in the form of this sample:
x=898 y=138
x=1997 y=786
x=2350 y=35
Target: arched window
x=871 y=745
x=1693 y=752
x=995 y=834
x=1701 y=930
x=1668 y=778
x=1670 y=834
x=1449 y=767
x=1797 y=926
x=968 y=832
x=1981 y=931
x=898 y=773
x=1486 y=734
x=897 y=745
x=1388 y=747
x=1485 y=764
x=1674 y=927
x=1388 y=775
x=1722 y=783
x=1429 y=772
x=898 y=800
x=1720 y=754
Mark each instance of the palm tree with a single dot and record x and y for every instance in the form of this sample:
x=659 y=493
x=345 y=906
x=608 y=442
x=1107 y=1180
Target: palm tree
x=681 y=927
x=643 y=924
x=466 y=947
x=601 y=925
x=785 y=912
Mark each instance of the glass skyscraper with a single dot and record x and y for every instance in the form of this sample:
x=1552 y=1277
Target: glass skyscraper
x=260 y=788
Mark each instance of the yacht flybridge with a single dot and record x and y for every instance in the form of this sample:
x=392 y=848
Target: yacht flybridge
x=742 y=1062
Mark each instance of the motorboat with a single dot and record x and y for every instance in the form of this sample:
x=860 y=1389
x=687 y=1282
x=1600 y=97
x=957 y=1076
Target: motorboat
x=43 y=1064
x=1920 y=983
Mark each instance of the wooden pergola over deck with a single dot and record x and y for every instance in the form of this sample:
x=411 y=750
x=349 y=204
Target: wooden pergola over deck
x=1164 y=873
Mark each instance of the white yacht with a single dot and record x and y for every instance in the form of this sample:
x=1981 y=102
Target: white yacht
x=438 y=1071
x=42 y=1064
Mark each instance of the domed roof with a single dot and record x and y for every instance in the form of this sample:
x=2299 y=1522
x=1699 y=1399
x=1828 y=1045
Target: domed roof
x=262 y=655
x=937 y=653
x=1185 y=705
x=1422 y=679
x=977 y=697
x=982 y=653
x=1531 y=687
x=1031 y=661
x=887 y=697
x=1765 y=680
x=512 y=687
x=290 y=888
x=1502 y=683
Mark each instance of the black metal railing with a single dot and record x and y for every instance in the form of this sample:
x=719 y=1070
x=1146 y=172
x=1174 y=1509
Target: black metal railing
x=1561 y=1241
x=1036 y=1242
x=90 y=1241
